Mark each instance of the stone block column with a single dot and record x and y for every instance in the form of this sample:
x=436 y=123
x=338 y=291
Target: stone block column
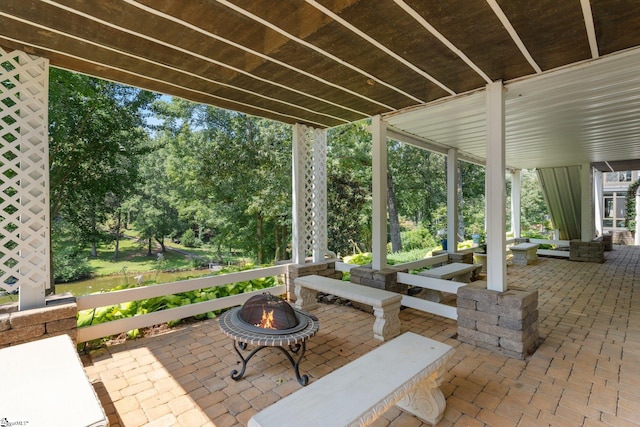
x=592 y=251
x=506 y=322
x=57 y=317
x=463 y=257
x=386 y=279
x=325 y=268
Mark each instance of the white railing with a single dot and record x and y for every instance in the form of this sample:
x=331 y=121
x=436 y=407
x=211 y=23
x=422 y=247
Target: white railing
x=552 y=252
x=441 y=285
x=344 y=267
x=412 y=265
x=101 y=330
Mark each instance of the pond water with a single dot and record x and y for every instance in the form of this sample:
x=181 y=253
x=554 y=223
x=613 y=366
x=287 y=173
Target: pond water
x=107 y=283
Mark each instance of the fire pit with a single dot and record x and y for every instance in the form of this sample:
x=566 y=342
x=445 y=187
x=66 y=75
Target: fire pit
x=268 y=321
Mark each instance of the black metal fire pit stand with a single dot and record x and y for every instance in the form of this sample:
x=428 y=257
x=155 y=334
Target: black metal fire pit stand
x=294 y=349
x=242 y=337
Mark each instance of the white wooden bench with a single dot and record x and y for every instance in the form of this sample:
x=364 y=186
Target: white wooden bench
x=456 y=271
x=406 y=371
x=524 y=253
x=46 y=385
x=386 y=304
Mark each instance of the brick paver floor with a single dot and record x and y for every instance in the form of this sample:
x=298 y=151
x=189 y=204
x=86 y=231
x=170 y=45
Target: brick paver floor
x=586 y=371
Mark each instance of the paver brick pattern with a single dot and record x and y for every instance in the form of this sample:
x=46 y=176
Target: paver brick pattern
x=586 y=371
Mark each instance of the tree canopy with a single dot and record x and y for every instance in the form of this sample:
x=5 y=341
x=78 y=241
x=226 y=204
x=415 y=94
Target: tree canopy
x=203 y=175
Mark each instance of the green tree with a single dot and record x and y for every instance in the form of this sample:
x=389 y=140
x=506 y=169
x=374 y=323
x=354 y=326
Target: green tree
x=349 y=188
x=240 y=168
x=157 y=217
x=97 y=135
x=534 y=208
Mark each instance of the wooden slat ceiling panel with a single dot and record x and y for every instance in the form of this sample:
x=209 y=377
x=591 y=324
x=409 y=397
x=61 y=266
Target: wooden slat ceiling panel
x=287 y=113
x=473 y=27
x=399 y=32
x=192 y=41
x=157 y=86
x=553 y=31
x=304 y=61
x=286 y=51
x=617 y=24
x=342 y=43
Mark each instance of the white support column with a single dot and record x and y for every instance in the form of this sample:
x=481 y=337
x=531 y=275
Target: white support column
x=298 y=153
x=452 y=200
x=496 y=189
x=598 y=199
x=586 y=203
x=24 y=215
x=319 y=195
x=309 y=193
x=379 y=196
x=636 y=240
x=516 y=202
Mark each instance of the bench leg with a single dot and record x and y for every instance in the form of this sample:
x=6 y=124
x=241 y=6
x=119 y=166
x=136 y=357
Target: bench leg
x=426 y=400
x=387 y=323
x=462 y=278
x=519 y=258
x=306 y=299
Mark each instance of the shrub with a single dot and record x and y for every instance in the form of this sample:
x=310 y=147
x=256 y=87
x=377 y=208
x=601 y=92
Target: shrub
x=69 y=265
x=418 y=238
x=359 y=259
x=188 y=239
x=199 y=262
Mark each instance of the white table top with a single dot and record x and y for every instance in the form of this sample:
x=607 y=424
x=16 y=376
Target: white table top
x=44 y=385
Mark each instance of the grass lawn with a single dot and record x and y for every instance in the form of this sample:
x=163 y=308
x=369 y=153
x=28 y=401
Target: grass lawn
x=133 y=256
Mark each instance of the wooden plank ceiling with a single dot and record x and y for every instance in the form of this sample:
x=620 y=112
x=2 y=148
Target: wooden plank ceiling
x=319 y=62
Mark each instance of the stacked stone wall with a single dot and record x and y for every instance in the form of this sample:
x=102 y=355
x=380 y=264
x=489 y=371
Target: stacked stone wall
x=57 y=317
x=622 y=237
x=586 y=251
x=463 y=257
x=506 y=322
x=323 y=268
x=386 y=279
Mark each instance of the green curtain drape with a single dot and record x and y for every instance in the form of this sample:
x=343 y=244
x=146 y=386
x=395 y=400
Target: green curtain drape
x=561 y=190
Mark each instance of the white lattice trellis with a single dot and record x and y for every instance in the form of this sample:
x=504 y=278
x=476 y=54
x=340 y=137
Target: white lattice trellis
x=310 y=193
x=24 y=172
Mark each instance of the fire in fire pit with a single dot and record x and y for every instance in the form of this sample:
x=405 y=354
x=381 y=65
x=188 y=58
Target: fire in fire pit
x=269 y=314
x=269 y=321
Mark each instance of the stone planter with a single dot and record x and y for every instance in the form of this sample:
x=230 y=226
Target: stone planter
x=480 y=258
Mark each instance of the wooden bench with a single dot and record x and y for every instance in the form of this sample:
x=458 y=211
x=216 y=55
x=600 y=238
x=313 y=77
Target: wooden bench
x=406 y=371
x=456 y=271
x=524 y=253
x=46 y=385
x=386 y=304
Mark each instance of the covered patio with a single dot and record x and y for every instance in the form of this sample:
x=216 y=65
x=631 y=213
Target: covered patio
x=552 y=86
x=584 y=372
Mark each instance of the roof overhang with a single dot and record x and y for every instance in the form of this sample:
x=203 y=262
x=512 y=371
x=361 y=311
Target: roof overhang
x=586 y=113
x=570 y=67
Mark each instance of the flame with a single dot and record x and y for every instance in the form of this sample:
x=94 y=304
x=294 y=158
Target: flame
x=267 y=320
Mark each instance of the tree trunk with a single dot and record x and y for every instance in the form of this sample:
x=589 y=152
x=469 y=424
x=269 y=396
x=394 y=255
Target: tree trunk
x=276 y=238
x=149 y=247
x=117 y=232
x=161 y=243
x=394 y=221
x=220 y=257
x=284 y=232
x=259 y=235
x=461 y=225
x=94 y=248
